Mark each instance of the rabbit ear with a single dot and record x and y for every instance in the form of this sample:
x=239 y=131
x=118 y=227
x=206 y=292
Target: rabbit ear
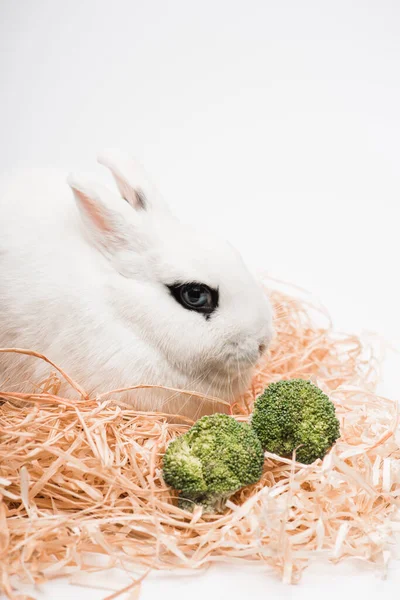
x=132 y=181
x=107 y=228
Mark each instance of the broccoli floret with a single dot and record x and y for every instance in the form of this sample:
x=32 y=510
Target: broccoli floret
x=295 y=414
x=211 y=461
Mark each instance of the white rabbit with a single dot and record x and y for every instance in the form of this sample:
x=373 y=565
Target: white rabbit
x=120 y=293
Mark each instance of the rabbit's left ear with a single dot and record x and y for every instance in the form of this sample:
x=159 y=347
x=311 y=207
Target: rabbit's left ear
x=105 y=227
x=132 y=182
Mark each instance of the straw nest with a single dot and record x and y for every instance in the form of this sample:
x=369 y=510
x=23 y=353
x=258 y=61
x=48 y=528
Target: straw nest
x=85 y=476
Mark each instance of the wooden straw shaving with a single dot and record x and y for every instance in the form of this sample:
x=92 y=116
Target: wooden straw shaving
x=85 y=475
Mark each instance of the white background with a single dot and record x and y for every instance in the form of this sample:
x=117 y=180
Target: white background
x=274 y=123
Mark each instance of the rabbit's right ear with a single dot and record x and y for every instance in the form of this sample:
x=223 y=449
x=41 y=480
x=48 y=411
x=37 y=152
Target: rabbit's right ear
x=132 y=182
x=106 y=228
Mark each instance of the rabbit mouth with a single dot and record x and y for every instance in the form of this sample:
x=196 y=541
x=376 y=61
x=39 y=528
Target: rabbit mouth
x=230 y=375
x=229 y=385
x=231 y=363
x=238 y=357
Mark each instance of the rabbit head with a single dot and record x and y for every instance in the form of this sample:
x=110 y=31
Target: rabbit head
x=186 y=293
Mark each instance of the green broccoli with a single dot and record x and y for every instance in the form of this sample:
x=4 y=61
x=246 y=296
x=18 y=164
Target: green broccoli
x=295 y=414
x=211 y=461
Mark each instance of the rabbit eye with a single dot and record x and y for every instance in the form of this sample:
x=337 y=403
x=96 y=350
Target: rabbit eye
x=195 y=296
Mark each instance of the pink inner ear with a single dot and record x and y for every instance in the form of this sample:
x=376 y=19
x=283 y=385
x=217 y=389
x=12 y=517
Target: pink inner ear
x=94 y=212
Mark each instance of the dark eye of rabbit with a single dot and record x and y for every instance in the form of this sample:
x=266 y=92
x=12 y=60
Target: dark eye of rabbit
x=195 y=296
